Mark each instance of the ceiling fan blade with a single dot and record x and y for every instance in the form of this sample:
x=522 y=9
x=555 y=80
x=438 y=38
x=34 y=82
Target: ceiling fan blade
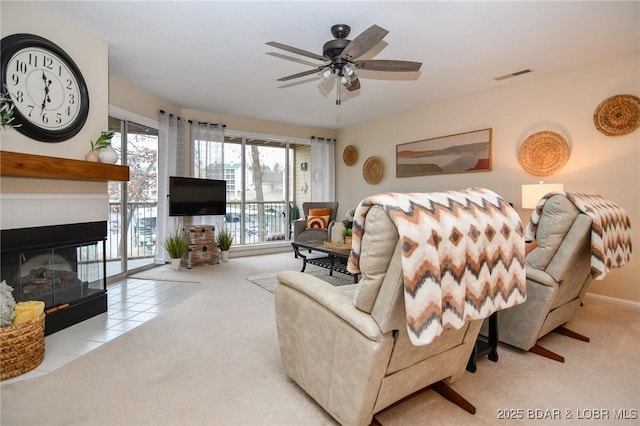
x=355 y=85
x=302 y=74
x=296 y=50
x=388 y=65
x=364 y=42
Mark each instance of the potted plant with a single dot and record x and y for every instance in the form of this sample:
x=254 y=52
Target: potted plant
x=224 y=240
x=101 y=150
x=176 y=246
x=347 y=233
x=6 y=112
x=348 y=218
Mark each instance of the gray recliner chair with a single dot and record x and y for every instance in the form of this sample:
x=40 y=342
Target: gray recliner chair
x=558 y=273
x=301 y=234
x=348 y=347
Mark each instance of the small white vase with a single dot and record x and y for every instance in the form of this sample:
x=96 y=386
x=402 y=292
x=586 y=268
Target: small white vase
x=175 y=264
x=92 y=156
x=108 y=155
x=224 y=255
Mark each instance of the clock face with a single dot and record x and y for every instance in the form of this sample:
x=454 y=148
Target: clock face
x=46 y=87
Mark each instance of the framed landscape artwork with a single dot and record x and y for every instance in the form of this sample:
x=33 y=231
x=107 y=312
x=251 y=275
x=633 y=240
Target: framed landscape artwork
x=460 y=153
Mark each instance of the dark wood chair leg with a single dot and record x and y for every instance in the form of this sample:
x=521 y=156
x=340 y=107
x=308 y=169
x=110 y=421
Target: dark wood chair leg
x=570 y=333
x=440 y=388
x=447 y=392
x=539 y=350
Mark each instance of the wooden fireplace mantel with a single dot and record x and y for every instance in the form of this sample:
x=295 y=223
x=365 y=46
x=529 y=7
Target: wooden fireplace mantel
x=18 y=164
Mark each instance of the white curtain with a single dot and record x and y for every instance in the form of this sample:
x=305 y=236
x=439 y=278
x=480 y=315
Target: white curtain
x=323 y=187
x=207 y=160
x=207 y=142
x=171 y=162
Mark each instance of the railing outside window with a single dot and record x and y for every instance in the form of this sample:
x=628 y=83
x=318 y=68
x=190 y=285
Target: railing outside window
x=140 y=231
x=265 y=222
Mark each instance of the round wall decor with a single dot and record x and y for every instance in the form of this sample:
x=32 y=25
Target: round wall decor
x=373 y=170
x=350 y=155
x=617 y=115
x=543 y=153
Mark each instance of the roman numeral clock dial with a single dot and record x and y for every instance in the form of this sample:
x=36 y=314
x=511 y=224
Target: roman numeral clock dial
x=49 y=94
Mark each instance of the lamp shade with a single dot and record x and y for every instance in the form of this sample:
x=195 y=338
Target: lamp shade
x=531 y=194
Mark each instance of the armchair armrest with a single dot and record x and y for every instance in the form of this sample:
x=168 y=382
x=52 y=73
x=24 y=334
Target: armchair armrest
x=330 y=229
x=298 y=226
x=540 y=277
x=334 y=299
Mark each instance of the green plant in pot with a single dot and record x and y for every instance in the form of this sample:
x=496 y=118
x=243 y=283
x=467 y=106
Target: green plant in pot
x=6 y=112
x=224 y=240
x=348 y=218
x=176 y=246
x=103 y=143
x=347 y=233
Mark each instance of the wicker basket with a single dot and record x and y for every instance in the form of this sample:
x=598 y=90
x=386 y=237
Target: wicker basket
x=334 y=246
x=21 y=347
x=543 y=153
x=618 y=115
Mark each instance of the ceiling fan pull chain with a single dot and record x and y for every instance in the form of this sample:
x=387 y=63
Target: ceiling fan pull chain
x=338 y=101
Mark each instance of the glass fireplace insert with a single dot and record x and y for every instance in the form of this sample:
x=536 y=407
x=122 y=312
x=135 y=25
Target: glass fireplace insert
x=63 y=266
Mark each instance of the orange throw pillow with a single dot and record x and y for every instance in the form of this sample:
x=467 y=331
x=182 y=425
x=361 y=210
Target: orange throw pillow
x=320 y=212
x=318 y=218
x=317 y=222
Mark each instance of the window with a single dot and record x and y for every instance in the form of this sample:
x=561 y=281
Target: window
x=261 y=174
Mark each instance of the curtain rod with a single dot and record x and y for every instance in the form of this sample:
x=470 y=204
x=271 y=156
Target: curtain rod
x=208 y=124
x=224 y=126
x=162 y=112
x=326 y=139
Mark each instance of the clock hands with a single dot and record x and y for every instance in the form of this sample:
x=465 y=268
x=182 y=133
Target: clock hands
x=46 y=98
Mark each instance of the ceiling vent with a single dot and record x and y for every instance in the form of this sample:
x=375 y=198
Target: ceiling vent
x=514 y=74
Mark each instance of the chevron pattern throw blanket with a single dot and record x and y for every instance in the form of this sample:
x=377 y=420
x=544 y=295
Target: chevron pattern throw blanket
x=610 y=230
x=462 y=256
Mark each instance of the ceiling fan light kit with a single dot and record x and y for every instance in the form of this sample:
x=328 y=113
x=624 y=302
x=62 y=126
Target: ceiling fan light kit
x=342 y=54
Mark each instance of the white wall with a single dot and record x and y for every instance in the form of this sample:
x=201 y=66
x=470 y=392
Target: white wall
x=609 y=166
x=28 y=202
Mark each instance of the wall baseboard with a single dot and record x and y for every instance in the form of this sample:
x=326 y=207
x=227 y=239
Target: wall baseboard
x=613 y=300
x=258 y=249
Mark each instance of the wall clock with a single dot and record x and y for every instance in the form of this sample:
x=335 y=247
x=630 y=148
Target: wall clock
x=45 y=85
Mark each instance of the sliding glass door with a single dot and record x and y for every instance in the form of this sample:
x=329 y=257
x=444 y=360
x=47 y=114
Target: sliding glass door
x=131 y=240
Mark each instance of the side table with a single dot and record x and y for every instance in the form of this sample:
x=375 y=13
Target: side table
x=202 y=250
x=485 y=345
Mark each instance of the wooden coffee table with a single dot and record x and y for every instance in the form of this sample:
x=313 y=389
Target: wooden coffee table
x=331 y=259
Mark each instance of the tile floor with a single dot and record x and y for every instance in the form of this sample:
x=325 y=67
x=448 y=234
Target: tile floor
x=131 y=302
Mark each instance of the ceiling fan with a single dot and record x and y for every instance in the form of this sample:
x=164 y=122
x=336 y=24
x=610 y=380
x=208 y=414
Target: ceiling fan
x=340 y=57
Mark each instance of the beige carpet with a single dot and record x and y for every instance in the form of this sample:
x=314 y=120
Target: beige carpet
x=268 y=281
x=214 y=360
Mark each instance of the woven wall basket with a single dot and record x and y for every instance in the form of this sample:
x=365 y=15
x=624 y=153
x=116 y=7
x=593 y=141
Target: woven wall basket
x=543 y=153
x=350 y=155
x=373 y=170
x=617 y=115
x=21 y=347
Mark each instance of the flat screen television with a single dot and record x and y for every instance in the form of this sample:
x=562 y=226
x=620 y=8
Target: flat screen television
x=197 y=197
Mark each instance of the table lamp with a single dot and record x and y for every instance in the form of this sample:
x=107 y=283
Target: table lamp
x=531 y=194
